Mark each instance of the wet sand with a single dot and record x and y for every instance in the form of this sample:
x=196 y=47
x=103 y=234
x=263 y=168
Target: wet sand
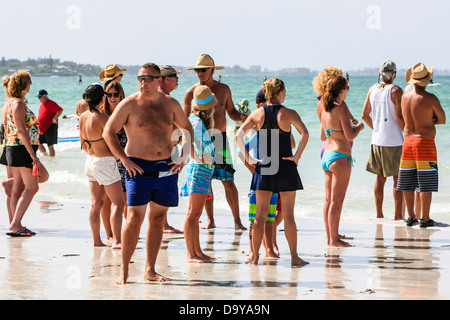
x=388 y=261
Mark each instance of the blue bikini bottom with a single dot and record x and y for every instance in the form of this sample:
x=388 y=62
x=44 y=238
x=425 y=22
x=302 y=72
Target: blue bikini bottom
x=331 y=156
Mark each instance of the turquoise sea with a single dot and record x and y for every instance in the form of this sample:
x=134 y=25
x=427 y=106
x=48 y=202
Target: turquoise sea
x=68 y=184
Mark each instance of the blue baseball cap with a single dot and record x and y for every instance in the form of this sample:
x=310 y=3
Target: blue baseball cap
x=41 y=93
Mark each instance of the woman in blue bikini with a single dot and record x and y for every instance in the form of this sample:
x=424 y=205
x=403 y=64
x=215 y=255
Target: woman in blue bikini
x=337 y=159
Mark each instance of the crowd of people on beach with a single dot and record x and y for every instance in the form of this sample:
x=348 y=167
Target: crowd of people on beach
x=137 y=145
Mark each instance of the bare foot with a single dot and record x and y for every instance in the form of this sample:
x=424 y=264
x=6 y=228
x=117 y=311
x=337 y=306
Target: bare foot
x=170 y=229
x=239 y=227
x=116 y=245
x=122 y=280
x=297 y=262
x=151 y=276
x=99 y=244
x=209 y=225
x=272 y=254
x=339 y=243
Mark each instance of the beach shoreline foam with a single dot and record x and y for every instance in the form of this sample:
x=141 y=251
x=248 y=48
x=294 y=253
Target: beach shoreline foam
x=388 y=261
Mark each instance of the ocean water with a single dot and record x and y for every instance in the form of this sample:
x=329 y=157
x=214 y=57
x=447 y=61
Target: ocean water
x=68 y=183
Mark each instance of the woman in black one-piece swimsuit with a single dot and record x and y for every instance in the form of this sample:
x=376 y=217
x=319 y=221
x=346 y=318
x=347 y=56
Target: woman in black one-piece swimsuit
x=276 y=166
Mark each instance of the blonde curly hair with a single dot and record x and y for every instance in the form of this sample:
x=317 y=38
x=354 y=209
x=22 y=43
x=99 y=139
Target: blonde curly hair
x=320 y=82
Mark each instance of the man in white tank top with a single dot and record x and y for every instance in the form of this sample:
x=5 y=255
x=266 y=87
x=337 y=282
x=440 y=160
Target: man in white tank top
x=384 y=103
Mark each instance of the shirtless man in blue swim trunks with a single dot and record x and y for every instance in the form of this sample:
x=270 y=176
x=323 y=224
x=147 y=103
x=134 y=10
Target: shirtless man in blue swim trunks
x=205 y=68
x=148 y=117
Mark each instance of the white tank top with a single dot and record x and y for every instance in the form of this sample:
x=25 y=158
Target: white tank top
x=386 y=130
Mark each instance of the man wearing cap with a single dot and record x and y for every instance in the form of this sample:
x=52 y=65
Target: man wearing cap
x=169 y=79
x=49 y=112
x=205 y=68
x=421 y=111
x=167 y=83
x=148 y=117
x=384 y=102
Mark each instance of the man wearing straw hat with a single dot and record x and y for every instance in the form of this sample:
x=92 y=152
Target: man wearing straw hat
x=418 y=166
x=223 y=171
x=148 y=117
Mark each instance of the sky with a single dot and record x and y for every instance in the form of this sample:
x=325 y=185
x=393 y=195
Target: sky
x=275 y=34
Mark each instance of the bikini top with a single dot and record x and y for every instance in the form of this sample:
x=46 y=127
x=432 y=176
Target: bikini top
x=328 y=132
x=89 y=142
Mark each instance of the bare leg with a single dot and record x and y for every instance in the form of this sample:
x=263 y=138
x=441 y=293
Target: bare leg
x=232 y=196
x=425 y=200
x=398 y=201
x=290 y=227
x=114 y=192
x=51 y=151
x=156 y=217
x=379 y=195
x=262 y=208
x=209 y=208
x=20 y=201
x=339 y=183
x=106 y=216
x=191 y=228
x=97 y=194
x=130 y=238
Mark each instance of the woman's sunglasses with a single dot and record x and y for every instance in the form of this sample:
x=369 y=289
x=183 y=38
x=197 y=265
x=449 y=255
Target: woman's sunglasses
x=115 y=95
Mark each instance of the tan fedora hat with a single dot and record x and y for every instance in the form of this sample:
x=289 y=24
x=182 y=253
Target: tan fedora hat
x=110 y=72
x=205 y=61
x=419 y=74
x=204 y=99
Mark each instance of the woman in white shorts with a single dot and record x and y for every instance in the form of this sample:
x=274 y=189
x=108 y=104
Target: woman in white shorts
x=101 y=167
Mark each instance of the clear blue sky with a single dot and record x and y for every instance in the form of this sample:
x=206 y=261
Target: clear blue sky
x=352 y=34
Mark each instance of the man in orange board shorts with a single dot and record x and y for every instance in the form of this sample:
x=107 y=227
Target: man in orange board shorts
x=418 y=166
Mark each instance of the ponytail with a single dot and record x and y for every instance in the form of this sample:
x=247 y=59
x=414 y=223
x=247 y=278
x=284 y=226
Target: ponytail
x=332 y=90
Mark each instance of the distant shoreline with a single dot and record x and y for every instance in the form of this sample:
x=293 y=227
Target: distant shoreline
x=48 y=67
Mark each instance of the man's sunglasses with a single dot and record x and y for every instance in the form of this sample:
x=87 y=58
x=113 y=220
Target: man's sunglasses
x=201 y=70
x=115 y=95
x=147 y=78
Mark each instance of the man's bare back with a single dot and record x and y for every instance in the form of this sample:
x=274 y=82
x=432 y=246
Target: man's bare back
x=421 y=111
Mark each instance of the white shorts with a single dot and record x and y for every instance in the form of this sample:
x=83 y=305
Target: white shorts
x=102 y=169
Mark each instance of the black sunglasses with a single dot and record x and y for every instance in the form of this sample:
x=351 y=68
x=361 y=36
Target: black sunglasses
x=115 y=95
x=147 y=78
x=201 y=70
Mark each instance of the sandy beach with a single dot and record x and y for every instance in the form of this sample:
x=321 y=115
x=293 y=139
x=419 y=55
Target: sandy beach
x=388 y=261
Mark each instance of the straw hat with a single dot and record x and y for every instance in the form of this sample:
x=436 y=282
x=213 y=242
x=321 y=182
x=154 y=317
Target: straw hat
x=204 y=99
x=205 y=61
x=419 y=74
x=110 y=72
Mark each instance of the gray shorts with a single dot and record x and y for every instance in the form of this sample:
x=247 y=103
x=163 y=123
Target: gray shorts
x=384 y=161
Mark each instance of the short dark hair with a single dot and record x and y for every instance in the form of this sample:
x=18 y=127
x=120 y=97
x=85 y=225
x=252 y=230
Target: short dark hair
x=150 y=65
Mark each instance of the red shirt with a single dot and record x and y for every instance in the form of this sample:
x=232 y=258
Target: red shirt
x=47 y=111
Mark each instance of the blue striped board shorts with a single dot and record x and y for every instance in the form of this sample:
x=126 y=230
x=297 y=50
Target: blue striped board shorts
x=272 y=206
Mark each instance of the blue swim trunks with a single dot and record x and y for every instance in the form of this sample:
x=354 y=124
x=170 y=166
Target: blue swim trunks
x=157 y=184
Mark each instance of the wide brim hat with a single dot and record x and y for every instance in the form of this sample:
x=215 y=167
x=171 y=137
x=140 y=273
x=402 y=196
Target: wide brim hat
x=205 y=61
x=110 y=72
x=419 y=74
x=204 y=99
